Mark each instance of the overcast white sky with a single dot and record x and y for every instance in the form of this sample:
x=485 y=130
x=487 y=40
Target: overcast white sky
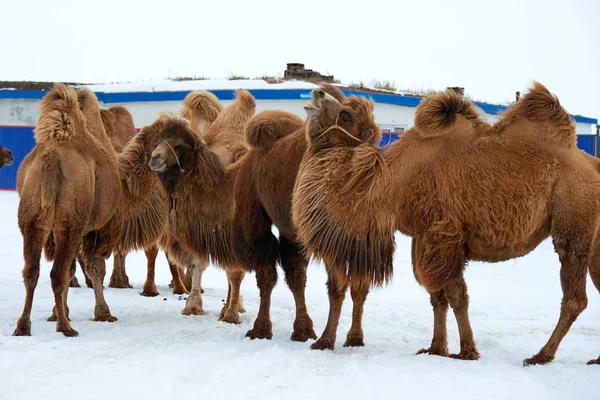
x=492 y=48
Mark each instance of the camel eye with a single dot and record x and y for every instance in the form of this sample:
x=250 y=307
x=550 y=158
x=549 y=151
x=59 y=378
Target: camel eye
x=179 y=148
x=345 y=116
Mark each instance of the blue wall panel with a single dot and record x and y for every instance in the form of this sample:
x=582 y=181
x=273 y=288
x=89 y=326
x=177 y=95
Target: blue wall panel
x=587 y=143
x=20 y=141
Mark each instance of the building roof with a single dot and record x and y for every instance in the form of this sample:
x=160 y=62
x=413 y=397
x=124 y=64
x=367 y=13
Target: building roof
x=167 y=90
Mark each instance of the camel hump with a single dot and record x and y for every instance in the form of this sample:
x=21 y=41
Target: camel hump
x=266 y=127
x=245 y=102
x=109 y=120
x=539 y=105
x=439 y=111
x=201 y=108
x=60 y=117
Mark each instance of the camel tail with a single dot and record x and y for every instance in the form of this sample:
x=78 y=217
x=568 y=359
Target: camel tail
x=51 y=178
x=438 y=112
x=60 y=116
x=201 y=108
x=266 y=127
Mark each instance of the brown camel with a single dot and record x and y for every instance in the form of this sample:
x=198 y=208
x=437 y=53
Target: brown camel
x=199 y=174
x=6 y=157
x=139 y=221
x=463 y=190
x=70 y=186
x=263 y=194
x=120 y=129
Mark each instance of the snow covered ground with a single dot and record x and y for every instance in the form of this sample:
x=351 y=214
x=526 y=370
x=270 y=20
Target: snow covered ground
x=154 y=352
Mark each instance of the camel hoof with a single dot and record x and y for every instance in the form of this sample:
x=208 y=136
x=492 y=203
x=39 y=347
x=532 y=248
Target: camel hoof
x=323 y=344
x=470 y=355
x=180 y=290
x=434 y=352
x=255 y=333
x=23 y=329
x=241 y=309
x=354 y=341
x=52 y=318
x=594 y=362
x=120 y=285
x=149 y=292
x=192 y=311
x=103 y=315
x=302 y=335
x=230 y=318
x=68 y=332
x=537 y=360
x=90 y=285
x=74 y=282
x=171 y=285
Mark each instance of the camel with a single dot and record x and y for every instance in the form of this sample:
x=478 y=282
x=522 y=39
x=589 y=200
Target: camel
x=463 y=190
x=199 y=173
x=263 y=194
x=141 y=217
x=70 y=186
x=6 y=157
x=120 y=128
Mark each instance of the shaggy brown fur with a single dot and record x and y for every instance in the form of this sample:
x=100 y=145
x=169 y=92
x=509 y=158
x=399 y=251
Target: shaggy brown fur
x=201 y=108
x=358 y=252
x=6 y=157
x=225 y=136
x=263 y=195
x=465 y=190
x=120 y=129
x=200 y=181
x=69 y=186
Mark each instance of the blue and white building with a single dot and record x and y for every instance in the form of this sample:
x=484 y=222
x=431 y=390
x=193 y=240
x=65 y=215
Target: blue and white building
x=393 y=112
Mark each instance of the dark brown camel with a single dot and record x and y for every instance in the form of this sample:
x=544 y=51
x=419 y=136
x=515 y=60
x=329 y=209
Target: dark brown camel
x=263 y=195
x=60 y=193
x=202 y=203
x=463 y=190
x=6 y=157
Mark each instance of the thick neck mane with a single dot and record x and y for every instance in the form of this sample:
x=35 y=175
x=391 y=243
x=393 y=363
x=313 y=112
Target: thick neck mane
x=201 y=202
x=145 y=206
x=341 y=209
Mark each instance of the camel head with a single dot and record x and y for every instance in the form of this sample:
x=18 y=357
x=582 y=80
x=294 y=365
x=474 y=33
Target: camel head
x=6 y=157
x=176 y=146
x=332 y=123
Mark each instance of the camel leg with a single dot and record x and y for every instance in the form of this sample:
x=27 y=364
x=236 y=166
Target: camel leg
x=177 y=283
x=54 y=317
x=230 y=312
x=119 y=278
x=266 y=278
x=150 y=285
x=456 y=293
x=355 y=337
x=88 y=281
x=439 y=343
x=34 y=237
x=187 y=278
x=97 y=270
x=574 y=265
x=74 y=282
x=595 y=275
x=337 y=293
x=294 y=265
x=193 y=304
x=67 y=244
